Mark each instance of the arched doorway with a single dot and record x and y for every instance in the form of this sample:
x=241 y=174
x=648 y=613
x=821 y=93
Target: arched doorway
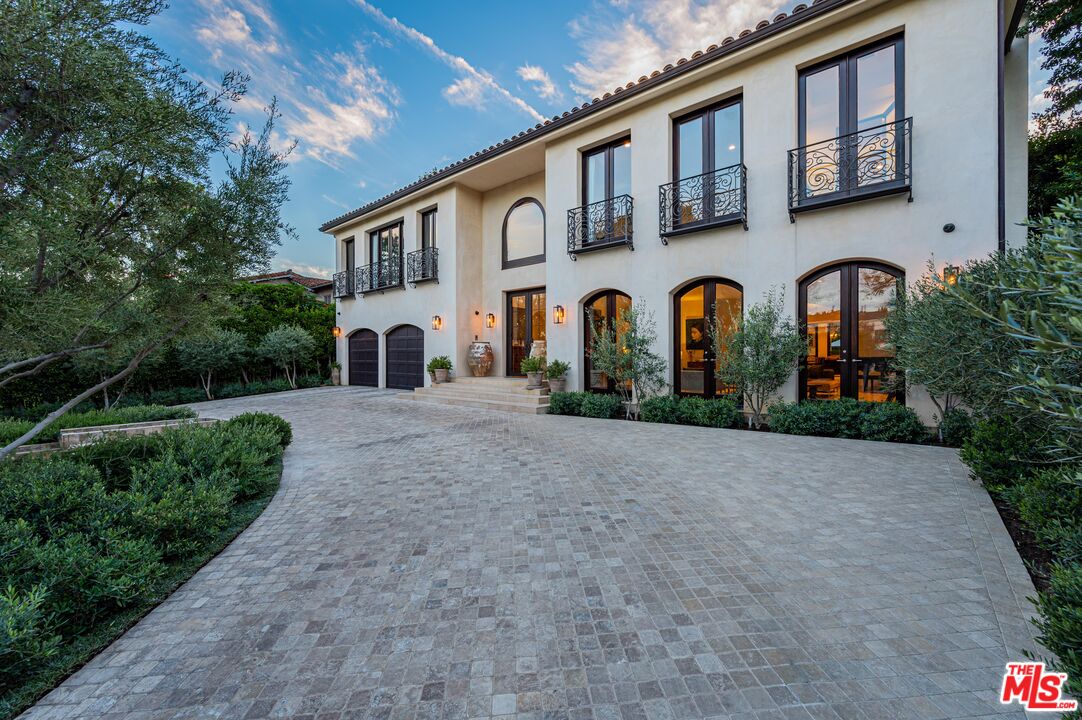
x=600 y=313
x=405 y=357
x=364 y=358
x=694 y=360
x=843 y=308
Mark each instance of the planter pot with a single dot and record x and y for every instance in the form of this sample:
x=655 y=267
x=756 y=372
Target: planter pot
x=479 y=358
x=336 y=376
x=558 y=384
x=440 y=375
x=533 y=379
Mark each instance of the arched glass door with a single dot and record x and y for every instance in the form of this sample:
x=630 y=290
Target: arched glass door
x=600 y=313
x=843 y=308
x=695 y=363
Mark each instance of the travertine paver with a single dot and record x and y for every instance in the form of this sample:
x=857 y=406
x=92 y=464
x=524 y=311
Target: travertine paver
x=425 y=561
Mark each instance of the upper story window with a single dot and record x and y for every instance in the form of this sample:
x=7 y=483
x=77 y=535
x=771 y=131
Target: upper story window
x=852 y=129
x=428 y=229
x=349 y=254
x=524 y=234
x=708 y=171
x=385 y=244
x=605 y=217
x=606 y=172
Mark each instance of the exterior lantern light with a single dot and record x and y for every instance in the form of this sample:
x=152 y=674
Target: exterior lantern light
x=437 y=322
x=337 y=331
x=490 y=320
x=950 y=274
x=558 y=315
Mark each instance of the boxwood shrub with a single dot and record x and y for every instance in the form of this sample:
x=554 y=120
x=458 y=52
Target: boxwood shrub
x=660 y=409
x=596 y=405
x=566 y=403
x=848 y=418
x=955 y=427
x=892 y=422
x=673 y=409
x=13 y=429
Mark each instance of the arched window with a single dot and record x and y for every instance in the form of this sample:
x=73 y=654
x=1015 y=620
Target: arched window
x=843 y=308
x=695 y=362
x=524 y=234
x=600 y=314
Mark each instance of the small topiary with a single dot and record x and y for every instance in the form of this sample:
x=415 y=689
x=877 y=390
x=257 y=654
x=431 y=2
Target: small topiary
x=891 y=422
x=660 y=409
x=955 y=427
x=720 y=413
x=998 y=453
x=596 y=405
x=566 y=403
x=279 y=425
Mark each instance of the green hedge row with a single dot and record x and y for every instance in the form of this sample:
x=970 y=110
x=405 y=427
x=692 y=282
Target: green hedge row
x=11 y=429
x=848 y=418
x=676 y=410
x=585 y=404
x=90 y=534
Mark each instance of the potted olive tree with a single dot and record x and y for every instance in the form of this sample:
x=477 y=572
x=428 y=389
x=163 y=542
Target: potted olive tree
x=439 y=367
x=533 y=367
x=556 y=372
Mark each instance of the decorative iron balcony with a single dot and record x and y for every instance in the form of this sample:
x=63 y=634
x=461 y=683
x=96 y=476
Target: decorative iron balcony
x=382 y=275
x=599 y=225
x=863 y=164
x=713 y=199
x=422 y=265
x=343 y=283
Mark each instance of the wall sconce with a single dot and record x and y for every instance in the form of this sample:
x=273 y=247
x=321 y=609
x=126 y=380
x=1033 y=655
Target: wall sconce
x=490 y=320
x=437 y=322
x=337 y=331
x=558 y=315
x=950 y=274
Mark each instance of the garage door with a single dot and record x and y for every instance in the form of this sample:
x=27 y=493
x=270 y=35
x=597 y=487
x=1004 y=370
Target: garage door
x=364 y=358
x=405 y=357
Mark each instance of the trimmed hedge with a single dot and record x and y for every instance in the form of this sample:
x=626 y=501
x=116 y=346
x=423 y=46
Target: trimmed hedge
x=956 y=427
x=91 y=538
x=586 y=404
x=675 y=410
x=13 y=429
x=848 y=418
x=566 y=403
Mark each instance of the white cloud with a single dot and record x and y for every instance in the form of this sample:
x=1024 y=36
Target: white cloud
x=473 y=83
x=335 y=201
x=346 y=100
x=283 y=263
x=646 y=35
x=546 y=89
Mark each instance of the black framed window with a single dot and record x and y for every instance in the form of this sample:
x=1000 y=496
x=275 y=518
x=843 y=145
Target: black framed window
x=606 y=171
x=524 y=233
x=696 y=307
x=849 y=111
x=385 y=244
x=708 y=157
x=349 y=255
x=428 y=229
x=601 y=314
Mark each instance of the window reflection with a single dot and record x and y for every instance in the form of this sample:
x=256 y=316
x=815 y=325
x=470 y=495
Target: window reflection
x=524 y=231
x=824 y=337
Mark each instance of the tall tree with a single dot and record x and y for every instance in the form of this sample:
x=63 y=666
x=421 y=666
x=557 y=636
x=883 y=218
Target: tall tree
x=113 y=235
x=1060 y=24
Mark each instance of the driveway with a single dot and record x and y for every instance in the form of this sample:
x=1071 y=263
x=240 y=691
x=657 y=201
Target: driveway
x=425 y=561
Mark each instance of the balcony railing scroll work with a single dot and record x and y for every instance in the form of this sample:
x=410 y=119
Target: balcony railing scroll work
x=344 y=283
x=382 y=275
x=713 y=199
x=868 y=163
x=422 y=265
x=598 y=225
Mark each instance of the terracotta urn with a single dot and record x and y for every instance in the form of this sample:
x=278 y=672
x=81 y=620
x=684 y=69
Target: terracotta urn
x=479 y=358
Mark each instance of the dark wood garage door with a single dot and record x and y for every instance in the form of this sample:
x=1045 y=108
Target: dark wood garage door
x=364 y=358
x=405 y=357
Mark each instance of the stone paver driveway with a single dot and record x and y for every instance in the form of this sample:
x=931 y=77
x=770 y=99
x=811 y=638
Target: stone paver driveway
x=422 y=561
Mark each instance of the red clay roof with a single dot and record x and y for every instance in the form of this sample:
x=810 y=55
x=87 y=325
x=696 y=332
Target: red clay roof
x=311 y=283
x=763 y=30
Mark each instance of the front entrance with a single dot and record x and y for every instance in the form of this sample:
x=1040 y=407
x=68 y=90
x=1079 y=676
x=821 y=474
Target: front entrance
x=364 y=358
x=695 y=360
x=406 y=358
x=843 y=308
x=525 y=325
x=600 y=313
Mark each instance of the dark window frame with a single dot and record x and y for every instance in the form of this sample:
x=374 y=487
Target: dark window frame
x=709 y=135
x=532 y=259
x=606 y=148
x=528 y=294
x=709 y=301
x=349 y=253
x=426 y=241
x=610 y=296
x=400 y=222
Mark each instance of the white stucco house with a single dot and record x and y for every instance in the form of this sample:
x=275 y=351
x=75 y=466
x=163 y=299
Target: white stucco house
x=827 y=152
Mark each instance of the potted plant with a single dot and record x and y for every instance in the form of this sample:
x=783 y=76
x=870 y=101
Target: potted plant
x=556 y=372
x=533 y=367
x=438 y=367
x=336 y=373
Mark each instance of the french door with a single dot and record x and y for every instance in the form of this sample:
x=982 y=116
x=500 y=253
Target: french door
x=525 y=326
x=843 y=309
x=695 y=308
x=600 y=315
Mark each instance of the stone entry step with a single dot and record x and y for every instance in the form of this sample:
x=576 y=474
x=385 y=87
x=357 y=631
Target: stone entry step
x=507 y=394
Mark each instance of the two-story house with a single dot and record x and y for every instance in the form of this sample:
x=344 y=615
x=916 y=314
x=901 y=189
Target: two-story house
x=828 y=152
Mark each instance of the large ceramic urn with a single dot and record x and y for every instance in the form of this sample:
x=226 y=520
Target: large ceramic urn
x=479 y=358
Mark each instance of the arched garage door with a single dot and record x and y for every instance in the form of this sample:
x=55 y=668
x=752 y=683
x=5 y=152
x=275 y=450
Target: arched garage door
x=364 y=358
x=405 y=357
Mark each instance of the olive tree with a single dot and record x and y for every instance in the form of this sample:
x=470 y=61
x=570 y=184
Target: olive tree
x=219 y=351
x=758 y=353
x=288 y=346
x=624 y=350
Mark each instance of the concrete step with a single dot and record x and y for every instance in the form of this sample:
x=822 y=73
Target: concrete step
x=509 y=403
x=455 y=388
x=503 y=383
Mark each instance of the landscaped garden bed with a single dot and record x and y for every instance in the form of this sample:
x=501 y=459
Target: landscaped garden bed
x=93 y=538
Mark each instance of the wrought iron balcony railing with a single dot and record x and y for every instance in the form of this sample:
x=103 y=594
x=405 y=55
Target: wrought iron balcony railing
x=602 y=224
x=867 y=163
x=422 y=265
x=343 y=283
x=381 y=275
x=713 y=199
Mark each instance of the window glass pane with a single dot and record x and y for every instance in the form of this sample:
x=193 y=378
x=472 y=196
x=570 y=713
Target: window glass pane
x=728 y=308
x=349 y=259
x=599 y=321
x=875 y=294
x=822 y=105
x=525 y=232
x=824 y=328
x=428 y=229
x=621 y=169
x=690 y=141
x=693 y=341
x=727 y=136
x=518 y=332
x=537 y=316
x=876 y=99
x=595 y=177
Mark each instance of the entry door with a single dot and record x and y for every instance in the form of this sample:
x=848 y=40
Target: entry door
x=525 y=324
x=364 y=358
x=696 y=360
x=843 y=309
x=406 y=358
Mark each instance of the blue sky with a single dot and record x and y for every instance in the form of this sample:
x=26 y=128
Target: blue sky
x=377 y=93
